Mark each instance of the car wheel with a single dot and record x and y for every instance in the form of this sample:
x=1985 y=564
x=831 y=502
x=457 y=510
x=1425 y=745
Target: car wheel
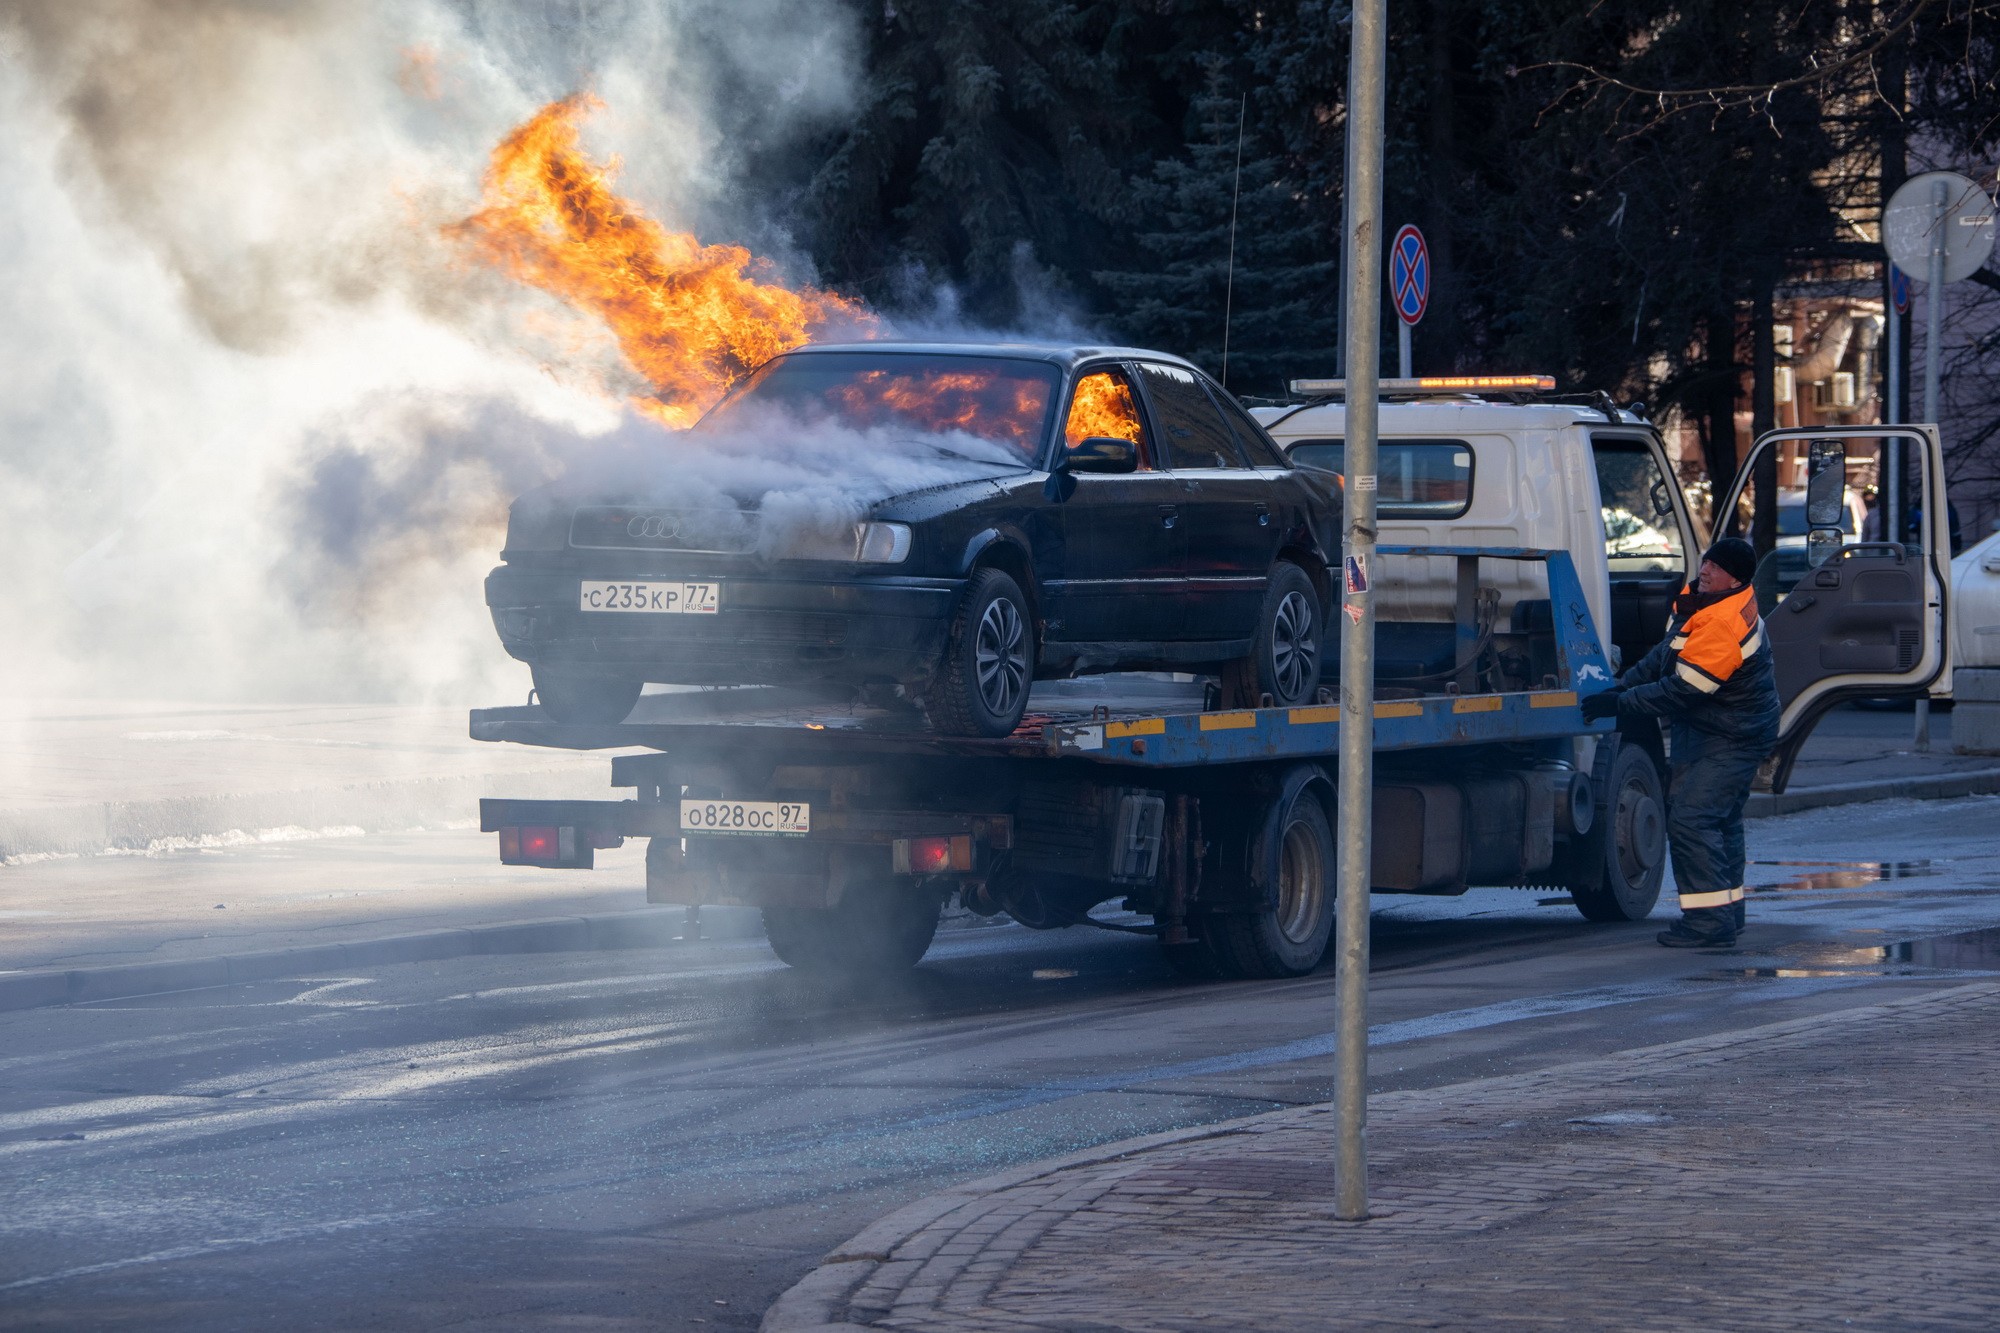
x=1614 y=872
x=585 y=699
x=981 y=687
x=874 y=929
x=1284 y=658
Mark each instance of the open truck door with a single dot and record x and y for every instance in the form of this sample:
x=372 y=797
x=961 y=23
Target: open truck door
x=1853 y=599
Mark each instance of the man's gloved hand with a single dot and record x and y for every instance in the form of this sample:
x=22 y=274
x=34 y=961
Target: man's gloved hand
x=1597 y=707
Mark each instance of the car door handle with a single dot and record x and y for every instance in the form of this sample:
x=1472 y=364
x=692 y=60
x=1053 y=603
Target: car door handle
x=1169 y=516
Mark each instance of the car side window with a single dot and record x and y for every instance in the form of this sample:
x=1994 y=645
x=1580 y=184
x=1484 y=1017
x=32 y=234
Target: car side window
x=1190 y=425
x=1250 y=437
x=1103 y=405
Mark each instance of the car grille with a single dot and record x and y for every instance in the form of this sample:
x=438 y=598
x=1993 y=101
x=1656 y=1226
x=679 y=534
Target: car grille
x=721 y=531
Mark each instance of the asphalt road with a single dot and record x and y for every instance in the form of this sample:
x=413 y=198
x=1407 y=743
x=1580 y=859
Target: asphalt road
x=675 y=1136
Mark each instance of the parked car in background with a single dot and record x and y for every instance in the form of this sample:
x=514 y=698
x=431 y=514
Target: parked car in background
x=1123 y=513
x=1975 y=595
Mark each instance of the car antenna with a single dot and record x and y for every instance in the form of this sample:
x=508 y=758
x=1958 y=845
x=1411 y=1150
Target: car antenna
x=1235 y=194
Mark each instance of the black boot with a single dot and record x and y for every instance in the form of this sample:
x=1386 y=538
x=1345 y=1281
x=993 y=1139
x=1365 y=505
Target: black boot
x=1702 y=928
x=1740 y=909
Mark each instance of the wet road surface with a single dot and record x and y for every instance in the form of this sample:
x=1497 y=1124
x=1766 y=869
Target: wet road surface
x=675 y=1136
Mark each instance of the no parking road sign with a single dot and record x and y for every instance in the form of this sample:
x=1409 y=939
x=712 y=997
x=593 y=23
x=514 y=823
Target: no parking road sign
x=1409 y=274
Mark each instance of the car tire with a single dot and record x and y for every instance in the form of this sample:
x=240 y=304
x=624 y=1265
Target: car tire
x=1284 y=661
x=1287 y=938
x=981 y=686
x=1614 y=872
x=872 y=930
x=585 y=699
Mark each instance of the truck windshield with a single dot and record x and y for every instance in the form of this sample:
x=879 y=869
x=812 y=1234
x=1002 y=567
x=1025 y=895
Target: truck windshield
x=993 y=398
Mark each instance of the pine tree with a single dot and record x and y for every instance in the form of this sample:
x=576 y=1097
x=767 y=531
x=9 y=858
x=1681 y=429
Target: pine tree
x=1272 y=310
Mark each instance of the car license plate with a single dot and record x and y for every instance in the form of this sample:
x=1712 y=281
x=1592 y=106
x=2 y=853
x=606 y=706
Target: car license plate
x=669 y=599
x=790 y=817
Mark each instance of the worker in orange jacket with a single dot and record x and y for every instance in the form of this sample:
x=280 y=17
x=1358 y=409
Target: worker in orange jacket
x=1711 y=679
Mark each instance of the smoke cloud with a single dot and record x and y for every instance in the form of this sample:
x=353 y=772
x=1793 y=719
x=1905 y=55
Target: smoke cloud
x=263 y=418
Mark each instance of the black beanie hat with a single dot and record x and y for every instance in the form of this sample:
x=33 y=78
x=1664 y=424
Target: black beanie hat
x=1735 y=557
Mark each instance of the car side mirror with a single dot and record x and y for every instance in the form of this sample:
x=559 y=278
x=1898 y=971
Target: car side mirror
x=1099 y=453
x=1103 y=453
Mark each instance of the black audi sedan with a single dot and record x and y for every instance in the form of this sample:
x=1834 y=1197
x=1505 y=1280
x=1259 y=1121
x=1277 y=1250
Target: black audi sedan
x=945 y=521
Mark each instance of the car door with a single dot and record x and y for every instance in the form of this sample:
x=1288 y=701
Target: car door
x=1225 y=504
x=1867 y=618
x=1124 y=533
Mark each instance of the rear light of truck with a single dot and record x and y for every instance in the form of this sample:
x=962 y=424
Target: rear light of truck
x=562 y=847
x=932 y=856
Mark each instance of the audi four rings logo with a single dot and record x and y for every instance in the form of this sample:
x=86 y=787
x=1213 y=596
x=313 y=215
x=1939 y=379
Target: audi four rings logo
x=652 y=525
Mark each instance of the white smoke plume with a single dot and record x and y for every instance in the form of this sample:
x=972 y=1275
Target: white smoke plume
x=262 y=419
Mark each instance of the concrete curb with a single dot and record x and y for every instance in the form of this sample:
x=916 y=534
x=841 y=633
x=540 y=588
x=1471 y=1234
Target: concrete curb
x=1971 y=782
x=649 y=928
x=812 y=1304
x=391 y=803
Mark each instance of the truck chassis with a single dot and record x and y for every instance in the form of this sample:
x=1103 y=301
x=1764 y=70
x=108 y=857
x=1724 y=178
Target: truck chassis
x=851 y=826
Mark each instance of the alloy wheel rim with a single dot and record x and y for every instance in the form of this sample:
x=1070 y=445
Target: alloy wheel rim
x=1301 y=884
x=1000 y=657
x=1293 y=648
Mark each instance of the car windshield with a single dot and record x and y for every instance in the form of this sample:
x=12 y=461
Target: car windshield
x=992 y=398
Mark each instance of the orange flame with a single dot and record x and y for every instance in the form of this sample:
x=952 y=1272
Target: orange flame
x=1103 y=406
x=692 y=319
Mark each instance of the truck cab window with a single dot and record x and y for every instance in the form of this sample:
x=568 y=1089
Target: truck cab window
x=1642 y=534
x=1413 y=478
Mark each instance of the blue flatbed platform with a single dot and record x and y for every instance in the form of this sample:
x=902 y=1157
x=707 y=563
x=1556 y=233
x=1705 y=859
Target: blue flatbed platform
x=1141 y=723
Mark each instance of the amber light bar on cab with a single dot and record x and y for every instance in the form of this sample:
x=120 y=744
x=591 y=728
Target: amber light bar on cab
x=1436 y=384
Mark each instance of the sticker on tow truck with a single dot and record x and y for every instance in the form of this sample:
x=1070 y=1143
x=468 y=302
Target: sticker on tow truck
x=667 y=599
x=789 y=817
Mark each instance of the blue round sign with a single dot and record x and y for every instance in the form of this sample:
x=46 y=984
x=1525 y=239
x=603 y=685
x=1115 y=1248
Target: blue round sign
x=1409 y=275
x=1899 y=289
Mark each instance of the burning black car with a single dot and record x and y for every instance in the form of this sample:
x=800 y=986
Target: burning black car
x=954 y=519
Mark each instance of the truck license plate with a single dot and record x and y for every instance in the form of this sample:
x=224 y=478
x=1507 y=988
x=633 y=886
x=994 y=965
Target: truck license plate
x=793 y=817
x=669 y=599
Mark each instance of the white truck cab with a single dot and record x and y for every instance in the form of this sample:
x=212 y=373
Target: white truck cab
x=1478 y=467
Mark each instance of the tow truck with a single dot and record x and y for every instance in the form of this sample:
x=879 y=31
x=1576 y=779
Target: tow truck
x=1514 y=527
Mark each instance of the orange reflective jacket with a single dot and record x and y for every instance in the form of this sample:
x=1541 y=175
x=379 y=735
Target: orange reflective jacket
x=1712 y=671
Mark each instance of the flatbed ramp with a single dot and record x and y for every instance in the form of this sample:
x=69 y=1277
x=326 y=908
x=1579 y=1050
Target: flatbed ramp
x=1119 y=729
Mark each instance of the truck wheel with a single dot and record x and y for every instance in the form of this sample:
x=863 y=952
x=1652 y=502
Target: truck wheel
x=585 y=699
x=981 y=687
x=1285 y=656
x=1289 y=937
x=1616 y=870
x=875 y=929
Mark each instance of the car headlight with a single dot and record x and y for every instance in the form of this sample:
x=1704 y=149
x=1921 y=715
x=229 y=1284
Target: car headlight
x=881 y=543
x=864 y=543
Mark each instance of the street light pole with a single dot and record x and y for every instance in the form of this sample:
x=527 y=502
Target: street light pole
x=1362 y=262
x=1933 y=358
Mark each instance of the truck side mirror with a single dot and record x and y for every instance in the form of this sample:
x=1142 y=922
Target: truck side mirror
x=1826 y=499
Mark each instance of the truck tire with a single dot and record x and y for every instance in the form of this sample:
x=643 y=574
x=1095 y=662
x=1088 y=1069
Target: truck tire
x=1287 y=937
x=1614 y=873
x=981 y=686
x=1284 y=661
x=880 y=928
x=585 y=699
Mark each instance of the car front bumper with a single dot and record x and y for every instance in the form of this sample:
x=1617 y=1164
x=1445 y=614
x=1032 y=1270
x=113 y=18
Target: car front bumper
x=766 y=631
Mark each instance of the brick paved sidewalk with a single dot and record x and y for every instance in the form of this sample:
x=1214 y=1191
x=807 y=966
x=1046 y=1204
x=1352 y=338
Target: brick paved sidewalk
x=1836 y=1170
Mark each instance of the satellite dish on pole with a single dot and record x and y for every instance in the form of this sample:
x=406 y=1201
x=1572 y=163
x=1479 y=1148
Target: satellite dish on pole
x=1911 y=221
